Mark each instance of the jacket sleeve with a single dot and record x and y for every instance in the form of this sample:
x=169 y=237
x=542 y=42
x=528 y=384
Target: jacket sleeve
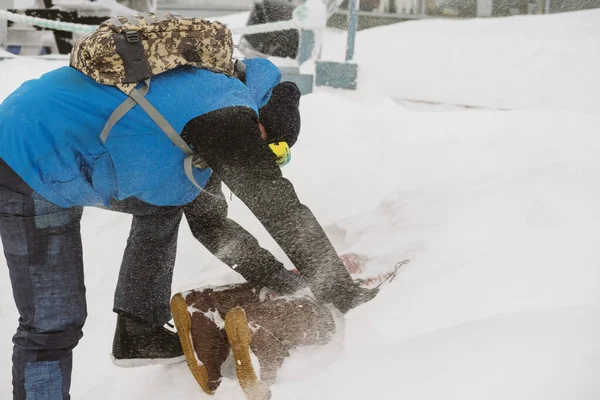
x=233 y=245
x=229 y=141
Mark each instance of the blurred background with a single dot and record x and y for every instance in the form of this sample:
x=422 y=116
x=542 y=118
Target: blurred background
x=380 y=10
x=289 y=43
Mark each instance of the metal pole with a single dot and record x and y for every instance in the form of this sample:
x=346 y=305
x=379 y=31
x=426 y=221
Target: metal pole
x=352 y=27
x=307 y=45
x=547 y=6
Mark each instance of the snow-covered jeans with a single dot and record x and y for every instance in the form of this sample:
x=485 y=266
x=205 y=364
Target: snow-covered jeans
x=42 y=245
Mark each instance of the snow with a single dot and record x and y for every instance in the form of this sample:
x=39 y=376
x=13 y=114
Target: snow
x=214 y=316
x=524 y=62
x=497 y=211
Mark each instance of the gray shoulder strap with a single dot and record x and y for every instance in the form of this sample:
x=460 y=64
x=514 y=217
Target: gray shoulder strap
x=119 y=112
x=189 y=170
x=138 y=97
x=159 y=120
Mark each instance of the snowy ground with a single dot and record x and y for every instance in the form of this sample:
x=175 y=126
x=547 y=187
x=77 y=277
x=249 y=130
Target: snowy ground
x=498 y=211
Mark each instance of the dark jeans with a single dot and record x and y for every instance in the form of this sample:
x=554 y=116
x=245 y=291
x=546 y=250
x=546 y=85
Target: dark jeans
x=42 y=245
x=144 y=285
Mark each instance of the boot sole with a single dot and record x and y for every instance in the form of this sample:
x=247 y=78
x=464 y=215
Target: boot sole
x=144 y=362
x=240 y=337
x=183 y=322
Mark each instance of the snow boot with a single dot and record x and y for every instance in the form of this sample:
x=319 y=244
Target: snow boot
x=240 y=338
x=254 y=325
x=281 y=324
x=199 y=318
x=137 y=343
x=269 y=330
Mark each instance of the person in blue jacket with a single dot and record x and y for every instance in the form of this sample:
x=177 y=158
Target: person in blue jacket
x=53 y=163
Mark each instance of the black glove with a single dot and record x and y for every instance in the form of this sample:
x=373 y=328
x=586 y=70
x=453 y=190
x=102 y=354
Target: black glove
x=352 y=297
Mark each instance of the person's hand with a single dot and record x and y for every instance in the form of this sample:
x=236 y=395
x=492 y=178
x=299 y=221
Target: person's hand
x=354 y=297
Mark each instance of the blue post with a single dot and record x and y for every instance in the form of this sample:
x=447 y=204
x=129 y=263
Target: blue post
x=352 y=27
x=307 y=46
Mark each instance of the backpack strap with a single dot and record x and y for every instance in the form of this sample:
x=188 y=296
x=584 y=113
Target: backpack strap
x=163 y=124
x=138 y=97
x=119 y=113
x=159 y=120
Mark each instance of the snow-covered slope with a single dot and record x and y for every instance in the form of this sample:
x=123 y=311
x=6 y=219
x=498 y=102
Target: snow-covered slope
x=547 y=61
x=497 y=211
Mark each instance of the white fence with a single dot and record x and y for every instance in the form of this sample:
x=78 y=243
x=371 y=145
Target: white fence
x=312 y=16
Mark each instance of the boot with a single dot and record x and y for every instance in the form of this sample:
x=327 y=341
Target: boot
x=240 y=337
x=269 y=330
x=199 y=318
x=212 y=322
x=137 y=344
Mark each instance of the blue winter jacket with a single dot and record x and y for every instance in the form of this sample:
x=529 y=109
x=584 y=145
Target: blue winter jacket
x=50 y=133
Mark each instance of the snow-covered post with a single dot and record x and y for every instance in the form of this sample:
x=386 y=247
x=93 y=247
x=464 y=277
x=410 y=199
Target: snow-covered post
x=311 y=19
x=4 y=5
x=342 y=75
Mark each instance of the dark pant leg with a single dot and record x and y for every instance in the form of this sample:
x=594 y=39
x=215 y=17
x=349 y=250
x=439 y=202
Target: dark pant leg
x=42 y=245
x=144 y=286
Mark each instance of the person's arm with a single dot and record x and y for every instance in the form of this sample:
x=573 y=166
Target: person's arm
x=233 y=245
x=229 y=141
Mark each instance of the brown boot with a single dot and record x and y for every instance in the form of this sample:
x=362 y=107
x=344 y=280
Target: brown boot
x=210 y=322
x=270 y=351
x=199 y=318
x=270 y=329
x=222 y=298
x=295 y=321
x=281 y=324
x=240 y=338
